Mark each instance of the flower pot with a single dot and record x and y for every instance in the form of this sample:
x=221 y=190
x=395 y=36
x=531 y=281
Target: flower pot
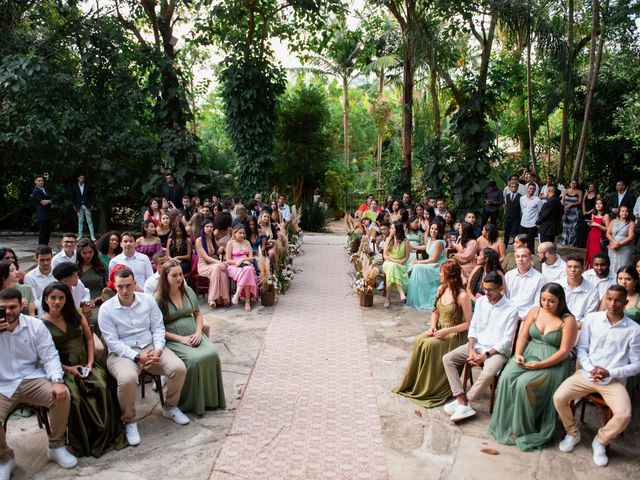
x=268 y=299
x=366 y=299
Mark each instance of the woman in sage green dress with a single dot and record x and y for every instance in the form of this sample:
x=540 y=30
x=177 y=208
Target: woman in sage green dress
x=416 y=240
x=396 y=253
x=525 y=415
x=183 y=322
x=425 y=382
x=425 y=274
x=94 y=425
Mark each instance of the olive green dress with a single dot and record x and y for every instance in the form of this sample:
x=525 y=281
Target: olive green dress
x=425 y=382
x=525 y=415
x=27 y=294
x=396 y=273
x=203 y=386
x=94 y=418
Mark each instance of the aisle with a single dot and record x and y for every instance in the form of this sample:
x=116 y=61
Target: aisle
x=309 y=410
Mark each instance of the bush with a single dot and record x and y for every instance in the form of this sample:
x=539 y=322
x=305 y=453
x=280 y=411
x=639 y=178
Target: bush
x=314 y=217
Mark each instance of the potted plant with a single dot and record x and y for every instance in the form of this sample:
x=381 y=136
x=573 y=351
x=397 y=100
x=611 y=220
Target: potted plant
x=268 y=282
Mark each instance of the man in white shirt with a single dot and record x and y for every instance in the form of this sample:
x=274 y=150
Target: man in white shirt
x=608 y=352
x=139 y=263
x=158 y=260
x=524 y=283
x=554 y=268
x=67 y=273
x=581 y=296
x=600 y=275
x=31 y=373
x=530 y=205
x=490 y=337
x=68 y=252
x=441 y=209
x=285 y=210
x=133 y=331
x=41 y=276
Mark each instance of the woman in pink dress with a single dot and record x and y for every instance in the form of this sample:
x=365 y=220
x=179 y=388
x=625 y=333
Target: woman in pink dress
x=598 y=229
x=211 y=266
x=241 y=267
x=148 y=243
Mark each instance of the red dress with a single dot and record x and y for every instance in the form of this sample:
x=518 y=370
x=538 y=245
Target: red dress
x=593 y=241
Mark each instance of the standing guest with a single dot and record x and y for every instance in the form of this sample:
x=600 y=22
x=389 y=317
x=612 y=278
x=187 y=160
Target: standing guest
x=620 y=233
x=571 y=201
x=608 y=353
x=441 y=209
x=549 y=222
x=425 y=275
x=470 y=218
x=273 y=196
x=554 y=267
x=9 y=279
x=258 y=198
x=466 y=249
x=524 y=283
x=551 y=182
x=487 y=263
x=424 y=381
x=148 y=242
x=530 y=206
x=186 y=209
x=510 y=180
x=138 y=263
x=34 y=376
x=492 y=200
x=523 y=415
x=164 y=229
x=432 y=202
x=92 y=271
x=68 y=252
x=211 y=266
x=600 y=275
x=627 y=277
x=407 y=201
x=42 y=200
x=109 y=247
x=41 y=276
x=82 y=199
x=490 y=337
x=203 y=388
x=67 y=273
x=179 y=247
x=285 y=210
x=509 y=262
x=490 y=239
x=598 y=222
x=582 y=297
x=94 y=418
x=171 y=190
x=586 y=211
x=396 y=253
x=133 y=331
x=158 y=261
x=512 y=212
x=7 y=253
x=449 y=221
x=154 y=212
x=621 y=198
x=241 y=268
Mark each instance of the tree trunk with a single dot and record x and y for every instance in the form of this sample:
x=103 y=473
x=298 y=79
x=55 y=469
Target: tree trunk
x=433 y=90
x=407 y=115
x=532 y=146
x=380 y=134
x=345 y=118
x=568 y=93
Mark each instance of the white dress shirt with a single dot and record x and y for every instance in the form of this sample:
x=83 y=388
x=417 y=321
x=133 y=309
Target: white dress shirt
x=530 y=207
x=556 y=271
x=524 y=289
x=285 y=212
x=80 y=294
x=61 y=257
x=601 y=284
x=493 y=325
x=152 y=283
x=139 y=264
x=28 y=352
x=615 y=348
x=582 y=299
x=37 y=281
x=137 y=326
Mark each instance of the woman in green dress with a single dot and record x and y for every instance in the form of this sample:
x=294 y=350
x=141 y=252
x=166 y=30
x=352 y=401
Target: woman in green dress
x=396 y=253
x=92 y=272
x=9 y=275
x=525 y=415
x=416 y=240
x=109 y=246
x=425 y=382
x=425 y=274
x=94 y=418
x=203 y=388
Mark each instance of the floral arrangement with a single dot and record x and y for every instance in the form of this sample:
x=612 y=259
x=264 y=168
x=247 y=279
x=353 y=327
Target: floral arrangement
x=267 y=280
x=365 y=275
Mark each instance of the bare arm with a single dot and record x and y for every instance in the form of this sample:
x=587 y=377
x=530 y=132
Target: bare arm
x=472 y=296
x=435 y=254
x=630 y=235
x=88 y=339
x=202 y=254
x=523 y=336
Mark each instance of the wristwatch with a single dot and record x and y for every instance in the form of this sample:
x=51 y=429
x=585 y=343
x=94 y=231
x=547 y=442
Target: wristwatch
x=57 y=380
x=136 y=358
x=487 y=353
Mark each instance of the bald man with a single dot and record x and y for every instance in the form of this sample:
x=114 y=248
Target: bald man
x=554 y=268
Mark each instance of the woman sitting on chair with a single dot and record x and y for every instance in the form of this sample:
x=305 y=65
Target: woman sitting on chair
x=241 y=267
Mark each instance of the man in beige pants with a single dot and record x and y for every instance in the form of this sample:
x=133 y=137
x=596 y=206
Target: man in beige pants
x=608 y=352
x=133 y=331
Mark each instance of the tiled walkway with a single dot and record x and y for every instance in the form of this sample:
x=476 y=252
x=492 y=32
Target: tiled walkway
x=309 y=410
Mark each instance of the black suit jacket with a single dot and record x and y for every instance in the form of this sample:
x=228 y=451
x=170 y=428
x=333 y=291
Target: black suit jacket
x=172 y=193
x=512 y=209
x=550 y=217
x=629 y=201
x=43 y=212
x=79 y=199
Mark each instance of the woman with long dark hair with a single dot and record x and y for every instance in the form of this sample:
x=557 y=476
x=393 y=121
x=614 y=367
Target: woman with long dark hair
x=620 y=234
x=629 y=279
x=396 y=253
x=210 y=265
x=148 y=243
x=9 y=279
x=466 y=249
x=487 y=262
x=109 y=246
x=179 y=247
x=490 y=238
x=425 y=274
x=7 y=253
x=92 y=271
x=154 y=211
x=598 y=222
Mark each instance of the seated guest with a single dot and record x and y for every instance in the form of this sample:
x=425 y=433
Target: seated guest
x=509 y=262
x=92 y=271
x=416 y=239
x=109 y=246
x=32 y=376
x=373 y=211
x=211 y=266
x=628 y=279
x=137 y=262
x=8 y=254
x=41 y=276
x=241 y=217
x=440 y=209
x=364 y=206
x=164 y=229
x=394 y=211
x=241 y=268
x=487 y=263
x=133 y=330
x=94 y=418
x=267 y=234
x=523 y=415
x=396 y=253
x=581 y=296
x=424 y=381
x=470 y=218
x=222 y=229
x=600 y=275
x=184 y=332
x=553 y=267
x=68 y=252
x=490 y=338
x=148 y=243
x=425 y=274
x=154 y=211
x=67 y=273
x=466 y=249
x=608 y=353
x=524 y=283
x=9 y=279
x=158 y=260
x=490 y=239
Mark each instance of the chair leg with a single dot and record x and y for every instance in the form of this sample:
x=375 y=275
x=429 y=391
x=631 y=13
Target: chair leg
x=584 y=404
x=158 y=381
x=142 y=382
x=493 y=388
x=467 y=376
x=43 y=418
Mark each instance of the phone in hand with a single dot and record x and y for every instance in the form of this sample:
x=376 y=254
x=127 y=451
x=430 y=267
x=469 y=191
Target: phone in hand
x=3 y=315
x=84 y=371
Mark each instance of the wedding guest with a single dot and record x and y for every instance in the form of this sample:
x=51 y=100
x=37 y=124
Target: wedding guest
x=68 y=252
x=407 y=201
x=571 y=201
x=148 y=242
x=394 y=211
x=164 y=229
x=598 y=222
x=524 y=283
x=137 y=262
x=586 y=211
x=440 y=209
x=241 y=268
x=416 y=240
x=210 y=265
x=487 y=263
x=154 y=212
x=551 y=182
x=396 y=253
x=466 y=249
x=530 y=206
x=600 y=275
x=554 y=267
x=628 y=279
x=284 y=209
x=172 y=191
x=109 y=247
x=512 y=212
x=620 y=233
x=364 y=206
x=581 y=296
x=179 y=247
x=620 y=198
x=82 y=198
x=7 y=253
x=42 y=200
x=9 y=279
x=158 y=261
x=91 y=271
x=549 y=222
x=490 y=239
x=425 y=275
x=41 y=276
x=492 y=200
x=68 y=273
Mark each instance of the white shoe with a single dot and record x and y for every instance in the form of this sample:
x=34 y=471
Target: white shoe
x=163 y=379
x=131 y=431
x=568 y=443
x=62 y=457
x=176 y=415
x=599 y=453
x=6 y=469
x=462 y=412
x=450 y=408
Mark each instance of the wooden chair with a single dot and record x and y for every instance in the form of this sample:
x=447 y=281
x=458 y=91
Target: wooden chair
x=596 y=400
x=42 y=414
x=154 y=378
x=200 y=285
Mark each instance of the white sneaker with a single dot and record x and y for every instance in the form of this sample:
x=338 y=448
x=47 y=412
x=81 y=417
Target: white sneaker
x=568 y=443
x=450 y=408
x=599 y=453
x=6 y=469
x=176 y=415
x=62 y=457
x=131 y=431
x=163 y=379
x=462 y=412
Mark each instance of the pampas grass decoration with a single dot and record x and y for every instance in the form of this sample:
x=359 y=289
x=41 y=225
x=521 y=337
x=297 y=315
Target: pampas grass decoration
x=265 y=273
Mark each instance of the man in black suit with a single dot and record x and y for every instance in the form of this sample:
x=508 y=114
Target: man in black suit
x=512 y=211
x=549 y=221
x=42 y=201
x=621 y=197
x=172 y=191
x=82 y=199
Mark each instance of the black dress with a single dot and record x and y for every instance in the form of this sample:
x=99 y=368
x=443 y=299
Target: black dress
x=582 y=229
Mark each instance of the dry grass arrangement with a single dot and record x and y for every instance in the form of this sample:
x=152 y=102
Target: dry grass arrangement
x=264 y=279
x=366 y=274
x=349 y=222
x=294 y=223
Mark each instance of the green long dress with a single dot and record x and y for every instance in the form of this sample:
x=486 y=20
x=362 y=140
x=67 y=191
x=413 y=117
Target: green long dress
x=94 y=418
x=203 y=386
x=396 y=273
x=415 y=240
x=425 y=278
x=525 y=415
x=425 y=382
